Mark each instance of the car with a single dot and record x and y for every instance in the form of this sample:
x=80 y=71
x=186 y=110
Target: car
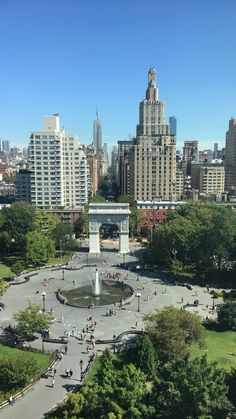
x=189 y=287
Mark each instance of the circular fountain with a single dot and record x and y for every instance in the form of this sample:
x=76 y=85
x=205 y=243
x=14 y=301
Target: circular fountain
x=96 y=293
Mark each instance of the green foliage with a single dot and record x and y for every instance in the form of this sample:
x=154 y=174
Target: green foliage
x=230 y=381
x=105 y=373
x=17 y=371
x=64 y=237
x=172 y=330
x=145 y=356
x=192 y=389
x=32 y=320
x=97 y=199
x=198 y=240
x=17 y=267
x=104 y=186
x=18 y=221
x=81 y=226
x=39 y=248
x=3 y=287
x=227 y=315
x=46 y=223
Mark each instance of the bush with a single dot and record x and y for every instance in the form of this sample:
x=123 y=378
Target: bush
x=227 y=315
x=17 y=371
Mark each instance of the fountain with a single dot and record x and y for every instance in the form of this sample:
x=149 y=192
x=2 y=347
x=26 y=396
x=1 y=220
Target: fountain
x=97 y=286
x=96 y=292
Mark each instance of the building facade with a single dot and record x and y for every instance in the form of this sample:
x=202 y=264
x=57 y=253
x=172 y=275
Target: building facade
x=208 y=178
x=97 y=133
x=230 y=158
x=154 y=157
x=59 y=172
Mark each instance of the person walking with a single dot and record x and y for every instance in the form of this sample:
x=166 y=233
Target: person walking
x=55 y=372
x=53 y=382
x=67 y=371
x=71 y=373
x=66 y=349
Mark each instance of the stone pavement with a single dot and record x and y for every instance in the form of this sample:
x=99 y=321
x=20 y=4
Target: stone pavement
x=155 y=293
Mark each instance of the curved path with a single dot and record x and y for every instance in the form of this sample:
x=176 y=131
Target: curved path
x=154 y=294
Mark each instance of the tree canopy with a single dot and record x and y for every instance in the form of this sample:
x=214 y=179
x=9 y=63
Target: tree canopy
x=199 y=240
x=32 y=320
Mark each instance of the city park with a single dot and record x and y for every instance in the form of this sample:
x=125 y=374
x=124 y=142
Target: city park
x=97 y=300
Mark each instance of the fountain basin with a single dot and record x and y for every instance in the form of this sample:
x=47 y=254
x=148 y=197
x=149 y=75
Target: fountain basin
x=81 y=294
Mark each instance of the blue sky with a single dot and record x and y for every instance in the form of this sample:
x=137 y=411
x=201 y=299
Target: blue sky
x=69 y=56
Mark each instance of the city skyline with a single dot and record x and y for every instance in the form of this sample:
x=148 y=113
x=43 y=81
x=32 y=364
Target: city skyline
x=69 y=59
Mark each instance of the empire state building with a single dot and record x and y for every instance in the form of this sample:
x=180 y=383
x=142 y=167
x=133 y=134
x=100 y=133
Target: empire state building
x=97 y=133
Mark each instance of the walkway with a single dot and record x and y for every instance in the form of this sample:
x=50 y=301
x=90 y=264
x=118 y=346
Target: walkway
x=154 y=294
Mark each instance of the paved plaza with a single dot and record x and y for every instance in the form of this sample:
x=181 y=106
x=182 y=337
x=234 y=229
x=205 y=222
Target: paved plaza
x=156 y=291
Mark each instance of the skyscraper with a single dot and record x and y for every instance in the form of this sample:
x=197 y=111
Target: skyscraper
x=173 y=125
x=230 y=158
x=97 y=133
x=59 y=172
x=5 y=146
x=154 y=158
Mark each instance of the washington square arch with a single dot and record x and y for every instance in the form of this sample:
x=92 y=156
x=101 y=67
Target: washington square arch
x=108 y=213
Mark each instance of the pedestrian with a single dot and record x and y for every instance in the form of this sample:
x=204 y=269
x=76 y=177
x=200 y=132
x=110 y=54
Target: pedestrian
x=66 y=349
x=136 y=324
x=55 y=372
x=83 y=330
x=87 y=349
x=67 y=371
x=71 y=373
x=51 y=311
x=114 y=337
x=53 y=382
x=11 y=400
x=62 y=319
x=87 y=327
x=182 y=300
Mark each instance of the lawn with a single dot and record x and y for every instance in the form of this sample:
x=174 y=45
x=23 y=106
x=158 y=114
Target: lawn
x=42 y=359
x=5 y=271
x=218 y=346
x=60 y=261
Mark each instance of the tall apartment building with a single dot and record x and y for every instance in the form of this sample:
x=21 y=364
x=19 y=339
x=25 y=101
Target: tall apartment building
x=179 y=185
x=230 y=158
x=23 y=187
x=190 y=153
x=208 y=178
x=205 y=156
x=97 y=133
x=125 y=178
x=5 y=146
x=59 y=172
x=154 y=158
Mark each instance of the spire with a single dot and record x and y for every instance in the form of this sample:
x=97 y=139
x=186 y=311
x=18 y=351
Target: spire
x=97 y=113
x=152 y=91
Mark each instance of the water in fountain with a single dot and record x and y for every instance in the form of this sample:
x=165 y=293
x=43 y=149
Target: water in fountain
x=97 y=286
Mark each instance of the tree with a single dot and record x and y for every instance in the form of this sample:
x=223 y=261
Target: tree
x=39 y=248
x=81 y=226
x=106 y=371
x=199 y=240
x=31 y=320
x=104 y=187
x=64 y=237
x=230 y=381
x=145 y=356
x=189 y=390
x=172 y=330
x=227 y=315
x=17 y=267
x=18 y=221
x=17 y=371
x=46 y=223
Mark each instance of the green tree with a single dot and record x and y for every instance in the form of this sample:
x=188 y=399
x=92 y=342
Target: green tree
x=39 y=248
x=32 y=320
x=145 y=356
x=17 y=267
x=189 y=390
x=104 y=187
x=64 y=237
x=230 y=381
x=46 y=223
x=172 y=330
x=106 y=371
x=227 y=315
x=81 y=226
x=18 y=221
x=17 y=371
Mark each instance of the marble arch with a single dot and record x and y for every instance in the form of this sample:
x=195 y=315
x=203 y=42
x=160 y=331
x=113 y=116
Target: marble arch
x=108 y=213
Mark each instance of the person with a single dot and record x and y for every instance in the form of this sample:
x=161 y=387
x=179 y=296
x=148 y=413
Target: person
x=71 y=373
x=62 y=319
x=11 y=400
x=67 y=371
x=87 y=349
x=114 y=337
x=66 y=349
x=182 y=300
x=53 y=382
x=55 y=372
x=136 y=324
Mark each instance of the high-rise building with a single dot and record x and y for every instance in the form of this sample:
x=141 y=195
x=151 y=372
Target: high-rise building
x=208 y=178
x=154 y=159
x=97 y=133
x=215 y=153
x=205 y=156
x=125 y=178
x=23 y=184
x=173 y=125
x=230 y=158
x=59 y=172
x=5 y=146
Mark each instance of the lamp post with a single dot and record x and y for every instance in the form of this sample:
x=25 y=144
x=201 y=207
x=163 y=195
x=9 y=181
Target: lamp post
x=138 y=295
x=63 y=274
x=87 y=259
x=81 y=369
x=43 y=297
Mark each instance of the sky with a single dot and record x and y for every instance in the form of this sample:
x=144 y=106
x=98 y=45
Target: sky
x=70 y=56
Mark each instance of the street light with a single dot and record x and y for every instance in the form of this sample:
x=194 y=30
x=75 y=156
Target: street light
x=87 y=259
x=81 y=369
x=63 y=274
x=43 y=297
x=138 y=295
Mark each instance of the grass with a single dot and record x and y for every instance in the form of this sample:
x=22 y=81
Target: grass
x=5 y=271
x=218 y=346
x=59 y=260
x=42 y=359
